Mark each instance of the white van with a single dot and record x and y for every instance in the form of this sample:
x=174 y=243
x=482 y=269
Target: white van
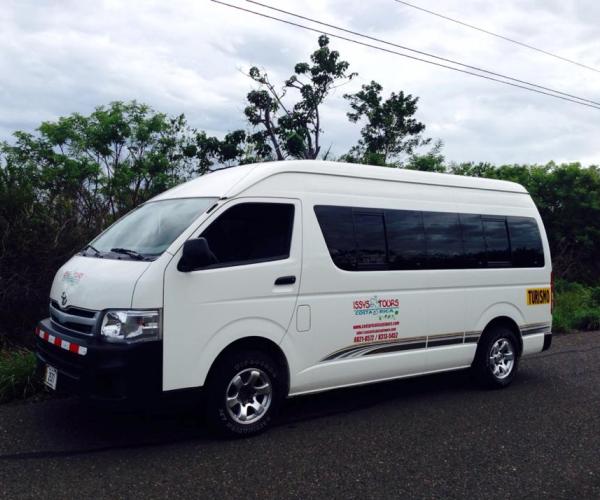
x=265 y=281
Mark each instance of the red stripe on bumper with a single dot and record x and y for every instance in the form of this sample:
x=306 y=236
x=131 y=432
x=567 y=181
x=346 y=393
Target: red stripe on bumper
x=63 y=344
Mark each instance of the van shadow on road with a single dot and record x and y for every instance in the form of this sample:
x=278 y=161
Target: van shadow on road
x=65 y=427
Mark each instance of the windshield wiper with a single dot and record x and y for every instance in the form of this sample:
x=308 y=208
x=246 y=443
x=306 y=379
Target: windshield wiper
x=97 y=252
x=127 y=251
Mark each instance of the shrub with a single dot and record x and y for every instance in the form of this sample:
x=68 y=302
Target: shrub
x=577 y=307
x=17 y=375
x=587 y=319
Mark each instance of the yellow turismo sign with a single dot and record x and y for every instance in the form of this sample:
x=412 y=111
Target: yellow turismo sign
x=538 y=296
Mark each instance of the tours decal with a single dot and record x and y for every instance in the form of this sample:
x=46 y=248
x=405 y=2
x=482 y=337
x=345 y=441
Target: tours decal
x=376 y=319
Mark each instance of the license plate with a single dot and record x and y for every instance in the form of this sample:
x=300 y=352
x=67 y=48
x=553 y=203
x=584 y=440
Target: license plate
x=51 y=377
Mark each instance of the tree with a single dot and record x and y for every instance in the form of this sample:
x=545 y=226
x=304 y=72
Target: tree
x=294 y=130
x=432 y=161
x=568 y=199
x=236 y=148
x=63 y=184
x=390 y=128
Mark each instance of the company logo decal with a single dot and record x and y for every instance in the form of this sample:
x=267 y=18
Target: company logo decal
x=70 y=280
x=538 y=296
x=378 y=319
x=71 y=277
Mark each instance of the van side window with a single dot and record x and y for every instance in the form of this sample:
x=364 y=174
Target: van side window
x=371 y=249
x=443 y=240
x=367 y=239
x=526 y=242
x=338 y=230
x=496 y=242
x=251 y=232
x=406 y=239
x=473 y=241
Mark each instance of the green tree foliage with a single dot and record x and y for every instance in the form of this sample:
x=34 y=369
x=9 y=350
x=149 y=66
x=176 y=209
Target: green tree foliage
x=236 y=148
x=568 y=198
x=432 y=161
x=390 y=130
x=62 y=185
x=294 y=130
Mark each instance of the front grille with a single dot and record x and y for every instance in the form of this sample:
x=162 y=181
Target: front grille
x=73 y=319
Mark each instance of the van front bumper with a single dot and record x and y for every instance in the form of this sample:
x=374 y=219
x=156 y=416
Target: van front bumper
x=98 y=370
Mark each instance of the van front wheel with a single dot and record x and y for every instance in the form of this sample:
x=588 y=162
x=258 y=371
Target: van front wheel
x=244 y=393
x=497 y=358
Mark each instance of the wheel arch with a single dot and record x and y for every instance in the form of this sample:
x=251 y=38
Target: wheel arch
x=256 y=343
x=505 y=322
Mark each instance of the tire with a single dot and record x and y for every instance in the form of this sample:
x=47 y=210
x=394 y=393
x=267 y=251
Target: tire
x=244 y=393
x=497 y=358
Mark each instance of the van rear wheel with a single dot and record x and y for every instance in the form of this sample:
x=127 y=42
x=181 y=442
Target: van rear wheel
x=244 y=393
x=497 y=358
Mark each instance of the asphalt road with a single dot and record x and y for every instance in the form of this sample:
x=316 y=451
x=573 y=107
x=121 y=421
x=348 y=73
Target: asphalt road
x=433 y=437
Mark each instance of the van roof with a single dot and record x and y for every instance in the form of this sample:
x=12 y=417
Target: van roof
x=233 y=181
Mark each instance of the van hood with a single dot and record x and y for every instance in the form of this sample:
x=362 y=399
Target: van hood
x=95 y=283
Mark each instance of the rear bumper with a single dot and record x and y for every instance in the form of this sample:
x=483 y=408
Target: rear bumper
x=547 y=341
x=112 y=373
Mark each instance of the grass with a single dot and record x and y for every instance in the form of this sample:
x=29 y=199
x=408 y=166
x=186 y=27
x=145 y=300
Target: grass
x=577 y=307
x=17 y=374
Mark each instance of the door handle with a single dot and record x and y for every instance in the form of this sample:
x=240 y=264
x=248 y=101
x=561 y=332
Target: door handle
x=285 y=280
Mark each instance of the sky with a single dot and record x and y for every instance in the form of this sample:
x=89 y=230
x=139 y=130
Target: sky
x=189 y=56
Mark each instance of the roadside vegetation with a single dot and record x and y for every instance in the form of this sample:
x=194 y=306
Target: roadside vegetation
x=17 y=374
x=577 y=307
x=65 y=182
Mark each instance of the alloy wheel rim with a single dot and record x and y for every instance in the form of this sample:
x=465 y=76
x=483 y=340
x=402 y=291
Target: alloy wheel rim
x=248 y=396
x=502 y=358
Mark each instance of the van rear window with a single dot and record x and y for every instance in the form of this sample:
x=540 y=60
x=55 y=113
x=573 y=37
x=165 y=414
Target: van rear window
x=526 y=243
x=363 y=239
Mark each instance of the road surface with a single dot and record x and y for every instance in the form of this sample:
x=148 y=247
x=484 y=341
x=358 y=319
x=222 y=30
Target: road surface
x=433 y=437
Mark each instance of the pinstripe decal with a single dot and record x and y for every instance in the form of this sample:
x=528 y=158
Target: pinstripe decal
x=410 y=343
x=471 y=337
x=534 y=328
x=445 y=339
x=425 y=342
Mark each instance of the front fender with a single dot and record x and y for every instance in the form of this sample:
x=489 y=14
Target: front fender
x=231 y=332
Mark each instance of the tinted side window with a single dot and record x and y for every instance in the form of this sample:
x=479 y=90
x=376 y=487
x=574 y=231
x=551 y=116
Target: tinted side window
x=369 y=233
x=443 y=240
x=406 y=239
x=252 y=232
x=496 y=242
x=473 y=241
x=525 y=242
x=338 y=230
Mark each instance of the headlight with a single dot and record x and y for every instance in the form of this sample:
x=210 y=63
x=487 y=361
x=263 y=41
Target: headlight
x=125 y=325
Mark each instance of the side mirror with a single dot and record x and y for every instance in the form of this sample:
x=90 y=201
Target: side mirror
x=196 y=255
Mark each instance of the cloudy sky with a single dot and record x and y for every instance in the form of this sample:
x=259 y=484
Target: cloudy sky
x=188 y=56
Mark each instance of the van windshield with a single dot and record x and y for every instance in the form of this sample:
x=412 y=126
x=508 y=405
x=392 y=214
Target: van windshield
x=146 y=232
